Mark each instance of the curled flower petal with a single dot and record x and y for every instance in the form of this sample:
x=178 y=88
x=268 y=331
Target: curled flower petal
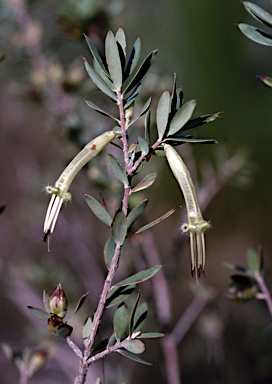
x=60 y=190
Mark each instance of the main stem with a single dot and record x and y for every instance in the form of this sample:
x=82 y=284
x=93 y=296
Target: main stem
x=85 y=360
x=97 y=316
x=123 y=125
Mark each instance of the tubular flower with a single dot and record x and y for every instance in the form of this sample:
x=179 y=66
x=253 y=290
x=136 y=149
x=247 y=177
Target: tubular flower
x=196 y=225
x=60 y=190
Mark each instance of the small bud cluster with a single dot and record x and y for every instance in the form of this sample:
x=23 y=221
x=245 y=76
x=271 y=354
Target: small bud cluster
x=58 y=308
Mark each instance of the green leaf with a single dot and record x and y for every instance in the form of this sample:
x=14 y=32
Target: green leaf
x=193 y=123
x=179 y=93
x=130 y=99
x=100 y=110
x=97 y=57
x=150 y=335
x=99 y=211
x=258 y=13
x=109 y=251
x=157 y=221
x=119 y=228
x=133 y=58
x=112 y=340
x=122 y=56
x=177 y=140
x=162 y=115
x=145 y=183
x=136 y=212
x=143 y=110
x=141 y=71
x=103 y=76
x=119 y=294
x=133 y=357
x=117 y=170
x=46 y=300
x=64 y=330
x=254 y=260
x=140 y=316
x=132 y=316
x=143 y=145
x=98 y=81
x=140 y=277
x=120 y=37
x=236 y=267
x=39 y=313
x=79 y=304
x=120 y=321
x=113 y=60
x=256 y=34
x=134 y=346
x=182 y=116
x=86 y=330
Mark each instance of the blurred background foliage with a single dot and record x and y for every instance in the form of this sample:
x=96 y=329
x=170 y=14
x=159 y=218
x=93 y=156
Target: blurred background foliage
x=44 y=121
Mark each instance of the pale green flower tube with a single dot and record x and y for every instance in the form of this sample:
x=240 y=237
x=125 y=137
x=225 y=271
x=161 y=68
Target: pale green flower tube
x=60 y=190
x=196 y=225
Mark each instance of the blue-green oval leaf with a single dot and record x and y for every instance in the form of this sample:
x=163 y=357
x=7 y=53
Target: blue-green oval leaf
x=100 y=110
x=136 y=212
x=133 y=58
x=119 y=294
x=162 y=115
x=119 y=228
x=258 y=13
x=182 y=116
x=157 y=221
x=145 y=183
x=86 y=330
x=117 y=170
x=120 y=321
x=113 y=60
x=140 y=277
x=134 y=346
x=109 y=251
x=39 y=313
x=140 y=316
x=133 y=357
x=256 y=34
x=99 y=82
x=99 y=211
x=46 y=300
x=141 y=71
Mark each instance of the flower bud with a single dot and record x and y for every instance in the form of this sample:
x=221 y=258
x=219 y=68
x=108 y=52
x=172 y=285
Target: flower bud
x=242 y=288
x=37 y=361
x=58 y=302
x=54 y=322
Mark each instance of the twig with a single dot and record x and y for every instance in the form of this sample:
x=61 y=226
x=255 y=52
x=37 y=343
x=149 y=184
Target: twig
x=266 y=293
x=24 y=376
x=74 y=347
